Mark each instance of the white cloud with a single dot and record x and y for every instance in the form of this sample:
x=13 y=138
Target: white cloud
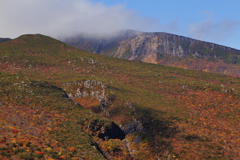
x=208 y=29
x=66 y=17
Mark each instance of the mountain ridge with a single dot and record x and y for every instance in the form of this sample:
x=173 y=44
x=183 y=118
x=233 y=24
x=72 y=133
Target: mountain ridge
x=163 y=48
x=4 y=39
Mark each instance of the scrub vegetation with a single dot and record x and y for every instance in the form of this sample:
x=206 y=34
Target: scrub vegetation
x=58 y=102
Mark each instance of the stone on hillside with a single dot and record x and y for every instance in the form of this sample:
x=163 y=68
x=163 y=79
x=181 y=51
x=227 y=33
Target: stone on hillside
x=184 y=87
x=70 y=96
x=129 y=105
x=91 y=61
x=87 y=83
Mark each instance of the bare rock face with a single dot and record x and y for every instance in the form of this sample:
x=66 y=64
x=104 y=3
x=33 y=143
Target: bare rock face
x=148 y=47
x=134 y=126
x=106 y=131
x=162 y=48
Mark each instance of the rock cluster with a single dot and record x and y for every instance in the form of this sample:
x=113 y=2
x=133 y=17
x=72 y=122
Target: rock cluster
x=105 y=131
x=92 y=88
x=87 y=88
x=134 y=126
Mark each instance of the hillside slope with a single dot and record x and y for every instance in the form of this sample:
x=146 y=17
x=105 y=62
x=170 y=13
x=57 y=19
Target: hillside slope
x=63 y=103
x=162 y=48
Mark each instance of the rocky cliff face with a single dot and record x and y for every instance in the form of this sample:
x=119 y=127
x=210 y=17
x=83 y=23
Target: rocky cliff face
x=162 y=48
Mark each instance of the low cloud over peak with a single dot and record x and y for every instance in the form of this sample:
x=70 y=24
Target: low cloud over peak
x=59 y=18
x=212 y=30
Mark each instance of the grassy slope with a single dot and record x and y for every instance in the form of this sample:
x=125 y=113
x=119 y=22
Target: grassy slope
x=38 y=122
x=188 y=114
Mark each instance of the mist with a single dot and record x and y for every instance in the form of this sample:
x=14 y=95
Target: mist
x=212 y=30
x=61 y=18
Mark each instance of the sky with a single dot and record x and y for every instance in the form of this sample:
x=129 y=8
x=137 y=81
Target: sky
x=216 y=21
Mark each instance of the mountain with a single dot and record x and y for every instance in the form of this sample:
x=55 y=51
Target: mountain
x=162 y=48
x=58 y=102
x=4 y=39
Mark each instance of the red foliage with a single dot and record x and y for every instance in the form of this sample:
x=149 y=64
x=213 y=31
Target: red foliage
x=14 y=130
x=39 y=152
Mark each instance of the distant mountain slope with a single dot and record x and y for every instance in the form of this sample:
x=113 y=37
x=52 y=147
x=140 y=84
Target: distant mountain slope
x=4 y=39
x=58 y=102
x=162 y=48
